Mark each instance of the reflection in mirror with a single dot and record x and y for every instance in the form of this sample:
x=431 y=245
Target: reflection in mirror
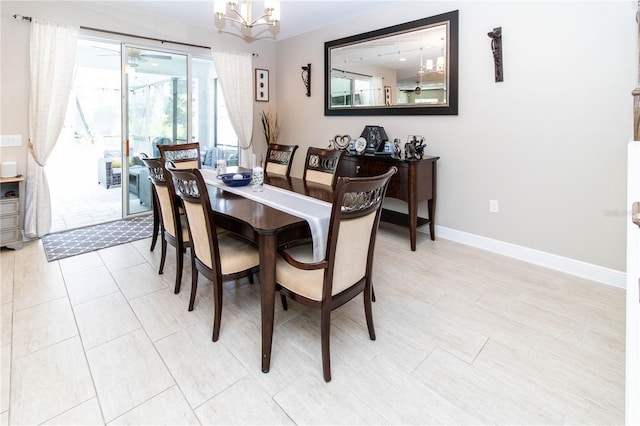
x=410 y=68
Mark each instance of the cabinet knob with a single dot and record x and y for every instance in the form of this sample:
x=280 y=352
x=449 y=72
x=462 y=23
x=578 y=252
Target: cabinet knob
x=358 y=168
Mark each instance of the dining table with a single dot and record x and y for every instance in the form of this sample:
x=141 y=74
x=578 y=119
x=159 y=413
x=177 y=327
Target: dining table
x=269 y=227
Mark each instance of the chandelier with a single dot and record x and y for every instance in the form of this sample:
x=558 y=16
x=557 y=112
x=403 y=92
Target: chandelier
x=241 y=12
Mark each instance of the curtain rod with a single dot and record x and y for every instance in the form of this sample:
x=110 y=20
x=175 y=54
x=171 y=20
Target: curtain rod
x=29 y=18
x=349 y=72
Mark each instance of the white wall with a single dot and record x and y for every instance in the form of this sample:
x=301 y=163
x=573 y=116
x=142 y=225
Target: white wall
x=549 y=143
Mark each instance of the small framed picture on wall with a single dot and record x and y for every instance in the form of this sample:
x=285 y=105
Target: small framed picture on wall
x=262 y=85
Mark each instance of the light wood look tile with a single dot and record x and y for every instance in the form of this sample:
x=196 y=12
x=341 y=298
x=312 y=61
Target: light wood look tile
x=244 y=402
x=105 y=319
x=201 y=368
x=463 y=336
x=163 y=313
x=120 y=257
x=87 y=413
x=7 y=267
x=127 y=371
x=33 y=329
x=6 y=323
x=402 y=399
x=168 y=408
x=80 y=263
x=139 y=280
x=90 y=284
x=309 y=400
x=5 y=377
x=37 y=282
x=486 y=397
x=49 y=382
x=553 y=381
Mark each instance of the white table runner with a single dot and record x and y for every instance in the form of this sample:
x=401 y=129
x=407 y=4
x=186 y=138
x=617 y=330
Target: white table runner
x=316 y=212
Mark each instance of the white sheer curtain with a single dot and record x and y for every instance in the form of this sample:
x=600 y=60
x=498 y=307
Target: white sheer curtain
x=235 y=71
x=52 y=55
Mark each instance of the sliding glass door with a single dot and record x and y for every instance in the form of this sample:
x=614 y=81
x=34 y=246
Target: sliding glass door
x=156 y=112
x=126 y=100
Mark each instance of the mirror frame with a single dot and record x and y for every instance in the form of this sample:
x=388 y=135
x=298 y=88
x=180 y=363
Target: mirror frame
x=452 y=86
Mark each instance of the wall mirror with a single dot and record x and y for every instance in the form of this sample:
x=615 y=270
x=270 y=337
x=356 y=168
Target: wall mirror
x=406 y=69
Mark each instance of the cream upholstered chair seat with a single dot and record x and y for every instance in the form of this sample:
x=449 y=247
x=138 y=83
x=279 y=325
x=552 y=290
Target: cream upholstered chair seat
x=346 y=269
x=218 y=256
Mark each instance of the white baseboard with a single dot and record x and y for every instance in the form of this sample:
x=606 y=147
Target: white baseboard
x=548 y=260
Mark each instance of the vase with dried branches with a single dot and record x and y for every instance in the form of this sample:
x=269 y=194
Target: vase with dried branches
x=270 y=126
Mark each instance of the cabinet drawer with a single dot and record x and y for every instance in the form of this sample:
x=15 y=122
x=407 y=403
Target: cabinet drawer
x=9 y=236
x=8 y=222
x=10 y=206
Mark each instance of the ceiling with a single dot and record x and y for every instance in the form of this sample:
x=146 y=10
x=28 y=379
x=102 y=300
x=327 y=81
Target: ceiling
x=297 y=16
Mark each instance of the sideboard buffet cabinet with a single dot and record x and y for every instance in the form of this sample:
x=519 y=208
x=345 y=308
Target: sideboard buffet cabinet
x=414 y=182
x=10 y=217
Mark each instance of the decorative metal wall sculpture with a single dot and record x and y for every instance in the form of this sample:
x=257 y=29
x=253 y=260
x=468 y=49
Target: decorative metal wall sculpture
x=306 y=78
x=496 y=48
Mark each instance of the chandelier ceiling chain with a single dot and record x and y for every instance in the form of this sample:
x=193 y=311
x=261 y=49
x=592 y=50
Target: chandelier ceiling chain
x=242 y=11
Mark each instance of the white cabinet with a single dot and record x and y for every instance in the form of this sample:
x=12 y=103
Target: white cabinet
x=10 y=220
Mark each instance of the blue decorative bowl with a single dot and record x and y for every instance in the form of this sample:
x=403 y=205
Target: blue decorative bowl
x=236 y=179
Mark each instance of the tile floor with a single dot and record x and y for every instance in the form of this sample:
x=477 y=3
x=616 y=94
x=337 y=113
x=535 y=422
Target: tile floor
x=463 y=337
x=77 y=199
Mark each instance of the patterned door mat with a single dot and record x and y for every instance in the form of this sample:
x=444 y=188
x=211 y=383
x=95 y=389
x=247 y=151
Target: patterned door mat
x=83 y=240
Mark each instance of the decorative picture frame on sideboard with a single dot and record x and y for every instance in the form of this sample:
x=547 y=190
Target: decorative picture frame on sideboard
x=261 y=81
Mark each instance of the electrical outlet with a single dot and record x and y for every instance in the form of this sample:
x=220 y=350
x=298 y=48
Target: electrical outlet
x=494 y=206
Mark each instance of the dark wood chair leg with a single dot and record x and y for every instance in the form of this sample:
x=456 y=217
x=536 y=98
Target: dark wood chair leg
x=179 y=266
x=194 y=285
x=250 y=278
x=156 y=219
x=368 y=311
x=217 y=314
x=325 y=323
x=163 y=256
x=283 y=299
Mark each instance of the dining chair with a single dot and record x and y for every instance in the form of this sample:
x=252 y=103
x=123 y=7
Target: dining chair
x=154 y=209
x=279 y=159
x=219 y=257
x=173 y=226
x=184 y=155
x=321 y=165
x=346 y=269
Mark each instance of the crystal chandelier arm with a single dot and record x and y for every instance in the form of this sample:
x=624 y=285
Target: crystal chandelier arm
x=246 y=21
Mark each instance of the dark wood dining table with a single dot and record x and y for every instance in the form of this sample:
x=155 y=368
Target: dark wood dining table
x=269 y=228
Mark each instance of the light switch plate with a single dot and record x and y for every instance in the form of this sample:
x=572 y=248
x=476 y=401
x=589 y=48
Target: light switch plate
x=11 y=140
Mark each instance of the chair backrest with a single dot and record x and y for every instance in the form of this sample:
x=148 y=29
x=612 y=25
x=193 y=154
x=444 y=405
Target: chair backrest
x=357 y=203
x=184 y=155
x=321 y=165
x=165 y=191
x=279 y=159
x=160 y=140
x=191 y=188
